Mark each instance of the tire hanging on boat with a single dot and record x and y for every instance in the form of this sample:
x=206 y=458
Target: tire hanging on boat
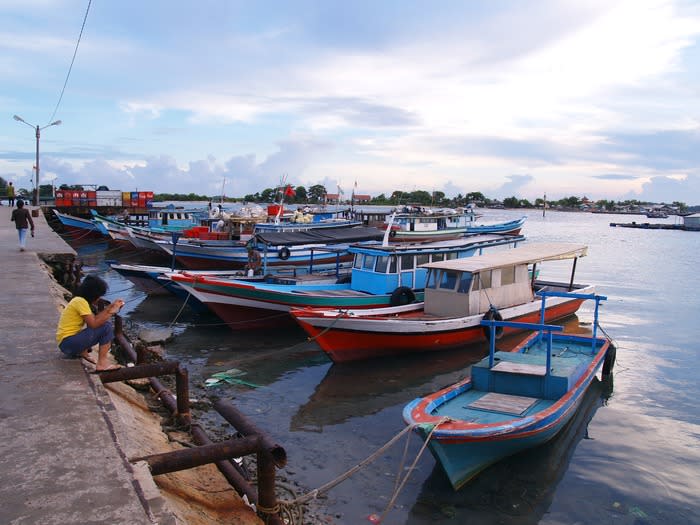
x=609 y=361
x=283 y=253
x=492 y=315
x=402 y=295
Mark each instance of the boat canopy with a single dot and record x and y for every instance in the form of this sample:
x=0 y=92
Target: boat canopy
x=527 y=254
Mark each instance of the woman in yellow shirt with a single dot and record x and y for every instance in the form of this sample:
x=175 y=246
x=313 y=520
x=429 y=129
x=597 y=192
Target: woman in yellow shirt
x=79 y=328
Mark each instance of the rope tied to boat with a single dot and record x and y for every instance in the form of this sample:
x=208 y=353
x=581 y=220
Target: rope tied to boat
x=341 y=314
x=400 y=482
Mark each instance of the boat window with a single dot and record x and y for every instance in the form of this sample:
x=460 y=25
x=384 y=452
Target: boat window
x=432 y=279
x=437 y=257
x=422 y=258
x=451 y=255
x=392 y=266
x=484 y=280
x=382 y=264
x=369 y=262
x=507 y=275
x=406 y=262
x=358 y=261
x=465 y=280
x=179 y=215
x=448 y=279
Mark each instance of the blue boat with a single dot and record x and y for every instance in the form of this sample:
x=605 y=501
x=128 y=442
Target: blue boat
x=511 y=401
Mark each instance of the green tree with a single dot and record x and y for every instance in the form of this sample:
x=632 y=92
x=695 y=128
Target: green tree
x=268 y=195
x=511 y=202
x=317 y=193
x=476 y=197
x=301 y=195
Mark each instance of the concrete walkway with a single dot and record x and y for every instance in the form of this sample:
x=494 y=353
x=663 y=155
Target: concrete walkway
x=60 y=461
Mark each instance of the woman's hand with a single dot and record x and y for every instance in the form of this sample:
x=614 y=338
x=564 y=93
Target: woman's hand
x=116 y=306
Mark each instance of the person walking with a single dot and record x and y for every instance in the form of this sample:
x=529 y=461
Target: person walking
x=10 y=195
x=22 y=219
x=79 y=328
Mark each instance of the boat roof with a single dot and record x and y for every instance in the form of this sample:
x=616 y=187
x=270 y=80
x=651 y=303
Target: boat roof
x=529 y=253
x=467 y=241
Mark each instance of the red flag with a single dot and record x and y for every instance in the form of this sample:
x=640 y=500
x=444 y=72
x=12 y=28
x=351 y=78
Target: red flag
x=289 y=191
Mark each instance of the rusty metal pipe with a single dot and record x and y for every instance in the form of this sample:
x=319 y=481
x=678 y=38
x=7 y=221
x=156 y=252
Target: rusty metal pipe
x=236 y=475
x=247 y=428
x=187 y=458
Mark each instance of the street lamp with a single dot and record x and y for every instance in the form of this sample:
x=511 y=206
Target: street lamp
x=38 y=135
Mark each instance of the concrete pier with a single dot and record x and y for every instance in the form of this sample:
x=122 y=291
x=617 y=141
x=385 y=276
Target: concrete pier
x=60 y=461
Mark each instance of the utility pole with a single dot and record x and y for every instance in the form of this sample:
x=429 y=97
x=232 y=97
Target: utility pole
x=37 y=129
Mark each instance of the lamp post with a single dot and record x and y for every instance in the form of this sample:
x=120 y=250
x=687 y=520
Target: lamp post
x=38 y=136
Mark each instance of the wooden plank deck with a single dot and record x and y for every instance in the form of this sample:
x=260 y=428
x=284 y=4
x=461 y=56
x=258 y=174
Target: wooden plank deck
x=520 y=368
x=505 y=403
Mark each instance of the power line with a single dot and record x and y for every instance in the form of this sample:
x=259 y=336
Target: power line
x=71 y=62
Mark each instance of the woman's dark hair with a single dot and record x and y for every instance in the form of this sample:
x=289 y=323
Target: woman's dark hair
x=91 y=289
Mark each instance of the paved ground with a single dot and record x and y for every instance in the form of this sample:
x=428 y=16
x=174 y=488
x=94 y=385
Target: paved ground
x=60 y=463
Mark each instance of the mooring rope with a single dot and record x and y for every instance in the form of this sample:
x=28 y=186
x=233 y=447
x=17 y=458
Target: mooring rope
x=398 y=486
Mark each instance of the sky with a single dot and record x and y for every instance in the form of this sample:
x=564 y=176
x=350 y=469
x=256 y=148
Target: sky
x=508 y=98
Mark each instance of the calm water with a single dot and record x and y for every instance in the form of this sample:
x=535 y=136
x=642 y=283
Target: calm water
x=631 y=456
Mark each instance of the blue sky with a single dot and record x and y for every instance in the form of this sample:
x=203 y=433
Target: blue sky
x=595 y=98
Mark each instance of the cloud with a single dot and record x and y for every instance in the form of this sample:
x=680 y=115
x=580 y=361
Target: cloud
x=669 y=189
x=513 y=186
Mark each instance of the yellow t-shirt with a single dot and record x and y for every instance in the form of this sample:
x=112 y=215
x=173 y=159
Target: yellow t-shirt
x=71 y=321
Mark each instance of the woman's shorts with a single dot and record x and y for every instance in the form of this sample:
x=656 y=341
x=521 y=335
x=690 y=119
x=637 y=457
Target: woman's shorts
x=74 y=345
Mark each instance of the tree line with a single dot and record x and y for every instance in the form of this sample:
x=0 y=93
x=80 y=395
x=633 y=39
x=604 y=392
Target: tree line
x=317 y=194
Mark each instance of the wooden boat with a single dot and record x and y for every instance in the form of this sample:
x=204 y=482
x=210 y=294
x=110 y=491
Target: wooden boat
x=458 y=295
x=415 y=223
x=148 y=278
x=381 y=275
x=78 y=227
x=511 y=401
x=289 y=248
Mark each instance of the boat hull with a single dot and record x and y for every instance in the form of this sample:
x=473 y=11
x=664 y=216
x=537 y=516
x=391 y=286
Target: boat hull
x=347 y=339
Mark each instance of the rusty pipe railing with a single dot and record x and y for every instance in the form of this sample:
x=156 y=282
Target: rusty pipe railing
x=182 y=400
x=269 y=454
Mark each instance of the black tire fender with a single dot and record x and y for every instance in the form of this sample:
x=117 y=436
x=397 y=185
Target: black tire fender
x=493 y=315
x=609 y=361
x=283 y=253
x=402 y=295
x=392 y=233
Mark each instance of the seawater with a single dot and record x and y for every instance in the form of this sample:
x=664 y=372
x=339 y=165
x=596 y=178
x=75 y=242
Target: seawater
x=632 y=454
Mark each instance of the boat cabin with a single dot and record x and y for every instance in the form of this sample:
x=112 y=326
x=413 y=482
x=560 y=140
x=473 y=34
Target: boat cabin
x=171 y=219
x=425 y=220
x=464 y=287
x=383 y=268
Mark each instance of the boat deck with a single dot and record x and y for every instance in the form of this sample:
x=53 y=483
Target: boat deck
x=517 y=384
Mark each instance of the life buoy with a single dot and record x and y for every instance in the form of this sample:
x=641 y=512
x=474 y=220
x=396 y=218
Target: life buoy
x=402 y=295
x=283 y=253
x=609 y=361
x=493 y=315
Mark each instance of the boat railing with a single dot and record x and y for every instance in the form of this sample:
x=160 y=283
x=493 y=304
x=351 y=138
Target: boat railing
x=541 y=327
x=573 y=295
x=545 y=330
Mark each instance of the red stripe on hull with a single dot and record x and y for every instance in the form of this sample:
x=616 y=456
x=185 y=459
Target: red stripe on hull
x=347 y=345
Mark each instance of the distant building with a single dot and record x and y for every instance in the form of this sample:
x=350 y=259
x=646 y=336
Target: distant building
x=362 y=199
